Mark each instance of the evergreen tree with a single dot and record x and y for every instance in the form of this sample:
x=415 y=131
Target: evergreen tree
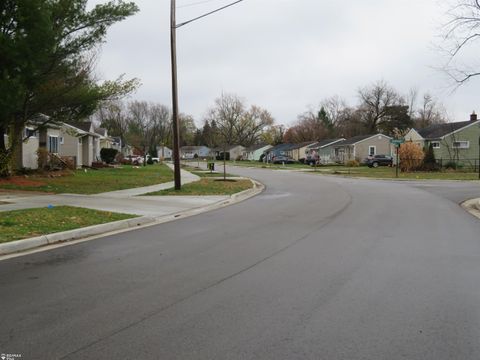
x=45 y=63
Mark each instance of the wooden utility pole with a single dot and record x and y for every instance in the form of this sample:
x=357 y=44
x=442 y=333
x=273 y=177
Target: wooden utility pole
x=176 y=126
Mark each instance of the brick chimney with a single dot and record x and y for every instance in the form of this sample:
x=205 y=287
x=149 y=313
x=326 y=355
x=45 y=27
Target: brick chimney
x=473 y=116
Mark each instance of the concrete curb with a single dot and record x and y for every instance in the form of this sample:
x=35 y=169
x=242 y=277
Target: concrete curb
x=472 y=206
x=122 y=225
x=26 y=244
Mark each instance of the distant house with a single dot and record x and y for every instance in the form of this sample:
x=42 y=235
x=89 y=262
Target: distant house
x=164 y=152
x=233 y=152
x=278 y=150
x=80 y=142
x=255 y=152
x=191 y=152
x=359 y=147
x=105 y=141
x=298 y=151
x=457 y=141
x=323 y=151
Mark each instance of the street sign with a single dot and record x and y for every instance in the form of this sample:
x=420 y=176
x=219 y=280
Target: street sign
x=397 y=142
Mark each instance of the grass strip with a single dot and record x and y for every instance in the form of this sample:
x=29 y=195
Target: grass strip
x=209 y=186
x=389 y=173
x=21 y=224
x=92 y=181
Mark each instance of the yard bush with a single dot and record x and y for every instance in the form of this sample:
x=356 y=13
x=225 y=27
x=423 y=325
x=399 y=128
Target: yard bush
x=108 y=155
x=429 y=161
x=352 y=163
x=411 y=157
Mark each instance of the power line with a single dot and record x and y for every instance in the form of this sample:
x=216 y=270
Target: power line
x=195 y=3
x=209 y=13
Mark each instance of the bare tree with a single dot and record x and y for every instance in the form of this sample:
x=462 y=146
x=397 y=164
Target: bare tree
x=113 y=116
x=375 y=100
x=142 y=130
x=335 y=108
x=460 y=32
x=227 y=112
x=431 y=112
x=252 y=124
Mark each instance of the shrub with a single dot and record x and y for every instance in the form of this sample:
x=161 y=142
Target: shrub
x=411 y=156
x=108 y=155
x=429 y=161
x=452 y=165
x=352 y=163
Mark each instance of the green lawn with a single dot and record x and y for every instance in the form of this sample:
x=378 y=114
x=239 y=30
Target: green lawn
x=209 y=186
x=389 y=173
x=21 y=224
x=93 y=181
x=267 y=166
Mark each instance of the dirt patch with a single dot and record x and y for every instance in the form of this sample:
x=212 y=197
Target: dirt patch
x=21 y=181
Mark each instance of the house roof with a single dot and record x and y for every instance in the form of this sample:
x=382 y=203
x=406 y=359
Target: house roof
x=227 y=148
x=282 y=147
x=440 y=130
x=257 y=147
x=357 y=139
x=82 y=128
x=324 y=143
x=101 y=131
x=193 y=148
x=301 y=145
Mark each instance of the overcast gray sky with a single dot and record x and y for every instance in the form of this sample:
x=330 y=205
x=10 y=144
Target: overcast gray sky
x=284 y=55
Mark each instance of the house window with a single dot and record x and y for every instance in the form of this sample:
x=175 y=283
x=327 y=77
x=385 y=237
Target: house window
x=435 y=144
x=79 y=140
x=53 y=144
x=372 y=150
x=62 y=141
x=461 y=144
x=30 y=133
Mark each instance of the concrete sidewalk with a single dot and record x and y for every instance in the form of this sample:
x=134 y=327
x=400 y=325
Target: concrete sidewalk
x=151 y=209
x=126 y=201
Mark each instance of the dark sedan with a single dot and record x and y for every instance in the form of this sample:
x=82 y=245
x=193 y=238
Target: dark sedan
x=379 y=160
x=283 y=160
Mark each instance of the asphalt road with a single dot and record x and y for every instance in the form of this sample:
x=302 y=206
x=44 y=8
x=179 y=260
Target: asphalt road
x=313 y=268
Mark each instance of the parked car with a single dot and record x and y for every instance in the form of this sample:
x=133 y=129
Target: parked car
x=283 y=160
x=379 y=160
x=155 y=160
x=135 y=159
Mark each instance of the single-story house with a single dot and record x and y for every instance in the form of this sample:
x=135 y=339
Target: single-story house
x=80 y=142
x=359 y=147
x=255 y=152
x=278 y=150
x=298 y=151
x=164 y=152
x=233 y=152
x=105 y=141
x=456 y=141
x=323 y=151
x=36 y=136
x=191 y=152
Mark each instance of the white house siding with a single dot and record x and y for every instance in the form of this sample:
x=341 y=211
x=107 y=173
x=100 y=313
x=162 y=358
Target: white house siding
x=29 y=153
x=71 y=147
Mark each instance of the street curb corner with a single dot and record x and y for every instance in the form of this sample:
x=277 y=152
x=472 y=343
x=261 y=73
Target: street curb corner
x=472 y=206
